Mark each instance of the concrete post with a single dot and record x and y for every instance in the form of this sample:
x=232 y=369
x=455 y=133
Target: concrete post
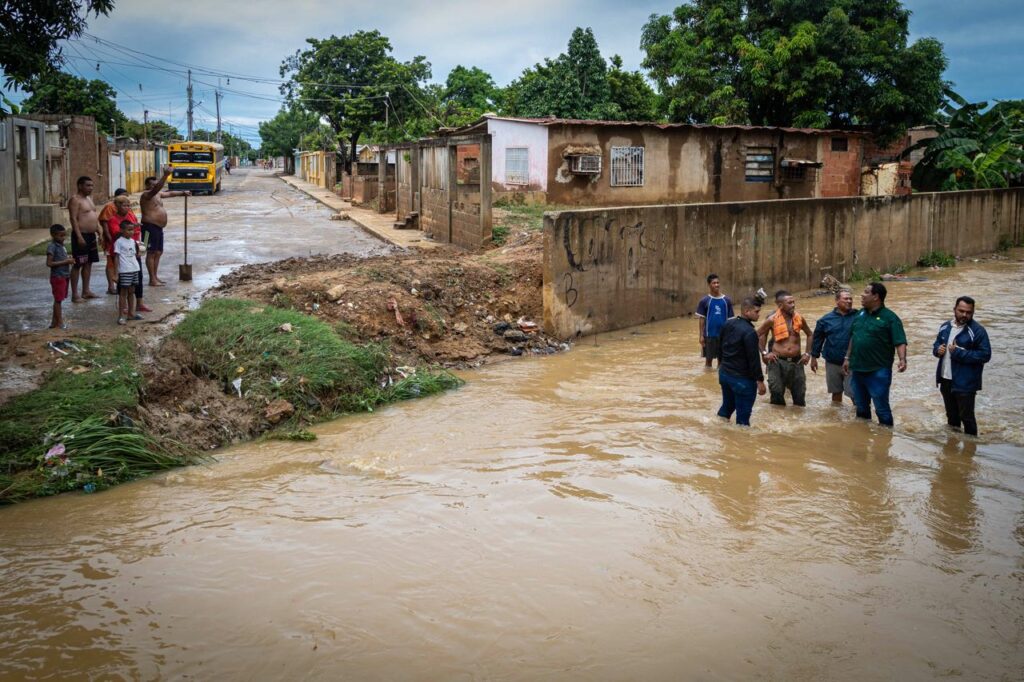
x=414 y=182
x=485 y=188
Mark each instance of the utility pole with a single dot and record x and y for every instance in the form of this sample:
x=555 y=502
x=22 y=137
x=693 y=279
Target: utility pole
x=217 y=96
x=145 y=127
x=190 y=105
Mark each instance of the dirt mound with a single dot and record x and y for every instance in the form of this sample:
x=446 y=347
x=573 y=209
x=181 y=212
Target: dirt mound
x=441 y=306
x=177 y=404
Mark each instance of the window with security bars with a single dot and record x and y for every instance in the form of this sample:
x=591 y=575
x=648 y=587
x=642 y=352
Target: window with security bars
x=517 y=166
x=760 y=164
x=627 y=166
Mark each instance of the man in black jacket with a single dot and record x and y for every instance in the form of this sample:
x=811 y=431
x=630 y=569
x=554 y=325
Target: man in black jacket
x=739 y=370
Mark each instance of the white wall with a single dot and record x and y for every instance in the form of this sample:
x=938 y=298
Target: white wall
x=533 y=136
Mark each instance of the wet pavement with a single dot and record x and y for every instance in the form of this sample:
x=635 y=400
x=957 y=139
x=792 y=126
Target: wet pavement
x=582 y=516
x=254 y=218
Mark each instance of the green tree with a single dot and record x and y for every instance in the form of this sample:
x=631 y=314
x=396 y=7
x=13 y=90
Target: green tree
x=470 y=89
x=812 y=63
x=573 y=85
x=282 y=134
x=629 y=90
x=354 y=83
x=977 y=147
x=56 y=92
x=235 y=146
x=31 y=31
x=158 y=131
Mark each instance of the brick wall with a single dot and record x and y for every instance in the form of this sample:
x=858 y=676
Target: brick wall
x=466 y=225
x=434 y=220
x=839 y=175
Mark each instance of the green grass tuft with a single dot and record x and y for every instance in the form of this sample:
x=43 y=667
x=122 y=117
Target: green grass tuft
x=939 y=258
x=311 y=366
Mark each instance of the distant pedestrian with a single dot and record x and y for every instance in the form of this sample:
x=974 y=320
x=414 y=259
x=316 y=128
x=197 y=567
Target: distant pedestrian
x=59 y=262
x=712 y=312
x=831 y=338
x=784 y=359
x=876 y=335
x=129 y=272
x=962 y=348
x=739 y=370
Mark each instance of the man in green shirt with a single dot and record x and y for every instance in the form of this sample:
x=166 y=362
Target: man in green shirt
x=875 y=337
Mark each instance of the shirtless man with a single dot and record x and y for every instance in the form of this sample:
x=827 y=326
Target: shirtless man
x=154 y=220
x=785 y=361
x=84 y=249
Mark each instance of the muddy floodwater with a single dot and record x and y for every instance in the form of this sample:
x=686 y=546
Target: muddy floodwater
x=581 y=516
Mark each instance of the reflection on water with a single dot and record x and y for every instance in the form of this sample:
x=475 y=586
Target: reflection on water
x=582 y=516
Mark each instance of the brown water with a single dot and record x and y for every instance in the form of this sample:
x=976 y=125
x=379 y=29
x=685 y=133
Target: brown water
x=582 y=516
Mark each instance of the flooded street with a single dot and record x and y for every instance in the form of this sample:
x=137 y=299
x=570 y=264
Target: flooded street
x=255 y=218
x=580 y=516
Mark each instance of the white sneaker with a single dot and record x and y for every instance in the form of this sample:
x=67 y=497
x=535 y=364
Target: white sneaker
x=121 y=320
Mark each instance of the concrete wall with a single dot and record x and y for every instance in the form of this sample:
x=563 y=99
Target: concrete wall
x=681 y=165
x=607 y=269
x=87 y=152
x=505 y=134
x=21 y=183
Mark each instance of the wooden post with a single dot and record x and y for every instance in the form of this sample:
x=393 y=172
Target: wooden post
x=415 y=201
x=485 y=188
x=382 y=174
x=453 y=183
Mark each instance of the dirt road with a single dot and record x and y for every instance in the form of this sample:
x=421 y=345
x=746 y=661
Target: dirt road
x=255 y=218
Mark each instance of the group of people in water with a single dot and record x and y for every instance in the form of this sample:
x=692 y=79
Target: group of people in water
x=858 y=348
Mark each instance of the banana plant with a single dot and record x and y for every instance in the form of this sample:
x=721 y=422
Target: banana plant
x=977 y=146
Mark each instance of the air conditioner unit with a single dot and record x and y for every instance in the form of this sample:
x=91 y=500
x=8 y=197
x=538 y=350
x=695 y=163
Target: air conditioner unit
x=585 y=164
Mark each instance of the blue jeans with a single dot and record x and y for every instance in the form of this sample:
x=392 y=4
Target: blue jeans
x=738 y=395
x=873 y=387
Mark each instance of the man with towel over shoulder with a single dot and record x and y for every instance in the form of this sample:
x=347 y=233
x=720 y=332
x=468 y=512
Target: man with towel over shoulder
x=785 y=361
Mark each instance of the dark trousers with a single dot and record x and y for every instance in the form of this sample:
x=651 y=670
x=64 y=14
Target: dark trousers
x=738 y=395
x=787 y=373
x=959 y=407
x=873 y=387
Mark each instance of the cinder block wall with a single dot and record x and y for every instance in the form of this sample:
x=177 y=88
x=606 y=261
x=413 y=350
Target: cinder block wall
x=606 y=269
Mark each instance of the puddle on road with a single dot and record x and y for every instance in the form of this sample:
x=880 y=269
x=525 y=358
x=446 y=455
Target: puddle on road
x=580 y=516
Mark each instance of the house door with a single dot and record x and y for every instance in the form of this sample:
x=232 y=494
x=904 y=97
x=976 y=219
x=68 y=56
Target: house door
x=21 y=161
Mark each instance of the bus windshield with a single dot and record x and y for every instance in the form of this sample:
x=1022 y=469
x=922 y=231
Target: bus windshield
x=191 y=157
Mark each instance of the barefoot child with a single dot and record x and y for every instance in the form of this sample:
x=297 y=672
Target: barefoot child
x=59 y=262
x=128 y=275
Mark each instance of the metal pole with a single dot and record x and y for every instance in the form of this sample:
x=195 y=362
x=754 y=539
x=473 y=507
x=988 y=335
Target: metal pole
x=145 y=127
x=217 y=98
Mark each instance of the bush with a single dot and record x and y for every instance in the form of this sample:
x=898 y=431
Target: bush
x=939 y=258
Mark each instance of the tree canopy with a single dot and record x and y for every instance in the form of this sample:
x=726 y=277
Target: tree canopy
x=579 y=84
x=810 y=63
x=159 y=131
x=281 y=135
x=31 y=31
x=56 y=92
x=354 y=83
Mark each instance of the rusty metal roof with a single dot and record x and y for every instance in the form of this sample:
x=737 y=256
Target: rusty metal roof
x=666 y=126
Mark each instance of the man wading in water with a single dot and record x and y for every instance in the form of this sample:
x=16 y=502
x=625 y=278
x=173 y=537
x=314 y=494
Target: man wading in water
x=875 y=337
x=785 y=361
x=154 y=220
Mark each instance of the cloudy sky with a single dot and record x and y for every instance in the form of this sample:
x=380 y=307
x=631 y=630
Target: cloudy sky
x=981 y=38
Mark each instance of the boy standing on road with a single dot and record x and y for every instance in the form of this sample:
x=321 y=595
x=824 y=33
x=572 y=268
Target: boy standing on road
x=962 y=348
x=712 y=312
x=59 y=262
x=128 y=275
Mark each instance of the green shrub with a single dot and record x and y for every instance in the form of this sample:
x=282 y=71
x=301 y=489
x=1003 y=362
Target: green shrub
x=939 y=258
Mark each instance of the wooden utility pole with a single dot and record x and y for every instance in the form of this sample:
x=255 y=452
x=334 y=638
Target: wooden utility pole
x=190 y=105
x=145 y=127
x=217 y=97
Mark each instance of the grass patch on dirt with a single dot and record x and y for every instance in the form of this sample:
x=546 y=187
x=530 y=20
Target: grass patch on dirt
x=284 y=354
x=512 y=217
x=80 y=411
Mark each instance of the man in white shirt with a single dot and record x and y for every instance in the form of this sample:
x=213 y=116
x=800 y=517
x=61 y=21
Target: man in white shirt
x=963 y=348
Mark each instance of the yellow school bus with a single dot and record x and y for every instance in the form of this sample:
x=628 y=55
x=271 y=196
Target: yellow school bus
x=195 y=166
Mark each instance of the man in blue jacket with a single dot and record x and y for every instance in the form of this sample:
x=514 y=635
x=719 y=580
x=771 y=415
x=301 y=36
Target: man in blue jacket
x=962 y=348
x=831 y=338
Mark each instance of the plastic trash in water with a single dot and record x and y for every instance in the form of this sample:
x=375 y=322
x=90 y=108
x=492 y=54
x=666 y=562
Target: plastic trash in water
x=89 y=488
x=237 y=383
